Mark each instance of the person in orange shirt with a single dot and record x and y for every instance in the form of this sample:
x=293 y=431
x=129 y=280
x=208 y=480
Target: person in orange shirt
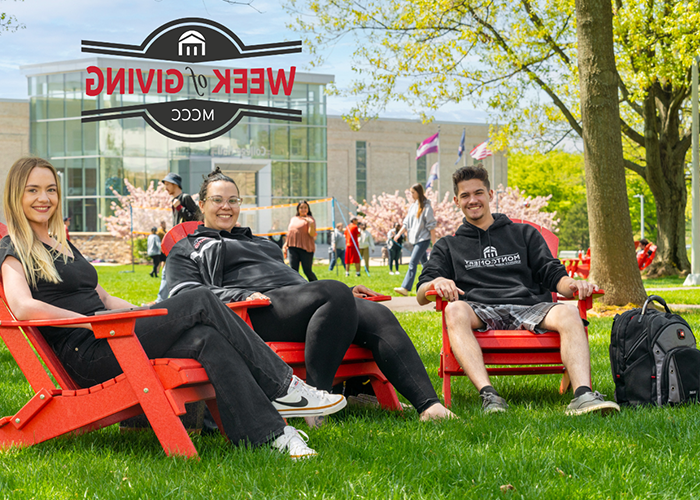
x=352 y=255
x=301 y=240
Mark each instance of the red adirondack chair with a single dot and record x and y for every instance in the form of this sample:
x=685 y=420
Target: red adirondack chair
x=357 y=362
x=160 y=388
x=518 y=352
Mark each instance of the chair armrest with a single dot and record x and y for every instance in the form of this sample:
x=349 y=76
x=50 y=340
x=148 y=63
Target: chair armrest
x=248 y=304
x=102 y=318
x=379 y=298
x=431 y=295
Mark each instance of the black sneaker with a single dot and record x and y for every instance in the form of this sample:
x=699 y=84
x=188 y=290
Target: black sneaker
x=493 y=403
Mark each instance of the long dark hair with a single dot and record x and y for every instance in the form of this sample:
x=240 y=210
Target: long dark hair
x=421 y=198
x=307 y=205
x=215 y=176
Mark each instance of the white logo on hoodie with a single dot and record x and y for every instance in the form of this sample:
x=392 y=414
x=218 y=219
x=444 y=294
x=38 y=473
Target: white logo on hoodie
x=492 y=259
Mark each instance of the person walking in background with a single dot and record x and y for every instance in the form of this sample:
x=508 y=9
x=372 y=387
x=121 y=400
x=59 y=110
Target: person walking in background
x=419 y=225
x=183 y=206
x=366 y=243
x=394 y=247
x=184 y=209
x=161 y=232
x=66 y=224
x=352 y=255
x=301 y=240
x=337 y=246
x=154 y=250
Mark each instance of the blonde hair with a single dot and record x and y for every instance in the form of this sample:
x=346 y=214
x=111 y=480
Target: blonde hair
x=38 y=262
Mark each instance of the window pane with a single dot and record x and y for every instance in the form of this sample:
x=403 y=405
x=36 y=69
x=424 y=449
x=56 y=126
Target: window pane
x=39 y=137
x=280 y=142
x=280 y=180
x=110 y=134
x=56 y=142
x=38 y=108
x=74 y=177
x=90 y=138
x=134 y=137
x=112 y=175
x=74 y=143
x=299 y=142
x=90 y=173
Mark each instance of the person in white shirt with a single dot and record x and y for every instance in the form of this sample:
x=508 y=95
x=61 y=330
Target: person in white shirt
x=337 y=246
x=366 y=243
x=419 y=225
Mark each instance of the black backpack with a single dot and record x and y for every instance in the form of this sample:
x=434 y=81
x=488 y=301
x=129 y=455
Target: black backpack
x=653 y=357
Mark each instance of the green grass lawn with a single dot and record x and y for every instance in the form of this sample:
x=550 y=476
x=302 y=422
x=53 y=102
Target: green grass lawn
x=370 y=454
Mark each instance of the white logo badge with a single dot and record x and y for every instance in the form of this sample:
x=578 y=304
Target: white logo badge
x=490 y=252
x=191 y=40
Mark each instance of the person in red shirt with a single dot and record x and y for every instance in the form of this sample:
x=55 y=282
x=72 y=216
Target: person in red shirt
x=66 y=224
x=352 y=255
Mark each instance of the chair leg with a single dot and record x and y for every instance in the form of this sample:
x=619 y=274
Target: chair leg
x=386 y=394
x=214 y=410
x=447 y=390
x=565 y=383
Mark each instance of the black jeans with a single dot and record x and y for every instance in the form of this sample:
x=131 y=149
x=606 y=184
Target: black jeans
x=326 y=316
x=297 y=255
x=394 y=256
x=246 y=374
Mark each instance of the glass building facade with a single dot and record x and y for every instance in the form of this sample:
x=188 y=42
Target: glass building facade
x=272 y=161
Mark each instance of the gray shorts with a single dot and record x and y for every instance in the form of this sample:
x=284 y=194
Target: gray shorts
x=512 y=317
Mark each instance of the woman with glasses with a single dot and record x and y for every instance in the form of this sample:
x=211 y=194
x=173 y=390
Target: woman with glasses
x=326 y=314
x=301 y=240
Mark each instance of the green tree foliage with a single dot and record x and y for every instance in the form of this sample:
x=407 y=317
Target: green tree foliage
x=520 y=59
x=556 y=173
x=561 y=175
x=573 y=228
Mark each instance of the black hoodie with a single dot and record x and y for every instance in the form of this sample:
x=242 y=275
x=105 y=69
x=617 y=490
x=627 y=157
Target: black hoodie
x=506 y=264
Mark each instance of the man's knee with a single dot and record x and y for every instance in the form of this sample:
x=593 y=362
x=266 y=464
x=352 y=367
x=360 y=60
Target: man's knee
x=563 y=317
x=460 y=313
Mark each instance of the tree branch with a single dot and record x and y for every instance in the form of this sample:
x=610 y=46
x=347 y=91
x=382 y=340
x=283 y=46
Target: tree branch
x=575 y=125
x=634 y=167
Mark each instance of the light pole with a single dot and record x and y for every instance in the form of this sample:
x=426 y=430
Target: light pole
x=641 y=224
x=694 y=277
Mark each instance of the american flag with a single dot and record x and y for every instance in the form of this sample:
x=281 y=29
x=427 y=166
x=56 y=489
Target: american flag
x=481 y=151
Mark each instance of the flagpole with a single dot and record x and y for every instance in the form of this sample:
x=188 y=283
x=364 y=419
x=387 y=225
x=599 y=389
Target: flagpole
x=438 y=168
x=464 y=153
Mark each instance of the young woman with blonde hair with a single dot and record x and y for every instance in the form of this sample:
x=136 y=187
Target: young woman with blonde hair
x=50 y=279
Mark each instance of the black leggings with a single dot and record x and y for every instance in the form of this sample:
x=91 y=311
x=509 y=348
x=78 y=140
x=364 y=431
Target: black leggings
x=297 y=255
x=246 y=374
x=326 y=316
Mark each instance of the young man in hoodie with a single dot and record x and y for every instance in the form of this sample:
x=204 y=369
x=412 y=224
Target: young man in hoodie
x=500 y=275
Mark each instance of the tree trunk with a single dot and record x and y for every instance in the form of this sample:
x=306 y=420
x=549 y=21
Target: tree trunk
x=614 y=266
x=665 y=174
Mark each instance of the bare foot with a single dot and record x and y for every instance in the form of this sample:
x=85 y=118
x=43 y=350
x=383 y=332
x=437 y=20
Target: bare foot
x=315 y=422
x=436 y=412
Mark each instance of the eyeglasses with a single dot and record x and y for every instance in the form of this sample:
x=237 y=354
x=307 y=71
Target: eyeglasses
x=218 y=200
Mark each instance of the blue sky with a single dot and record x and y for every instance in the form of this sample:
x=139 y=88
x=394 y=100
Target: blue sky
x=55 y=28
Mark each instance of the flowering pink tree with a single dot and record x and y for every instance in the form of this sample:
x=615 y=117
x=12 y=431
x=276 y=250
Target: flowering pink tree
x=386 y=210
x=513 y=203
x=149 y=207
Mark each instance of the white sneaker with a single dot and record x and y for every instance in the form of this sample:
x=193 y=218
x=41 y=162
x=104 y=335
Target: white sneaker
x=402 y=291
x=294 y=442
x=347 y=274
x=302 y=400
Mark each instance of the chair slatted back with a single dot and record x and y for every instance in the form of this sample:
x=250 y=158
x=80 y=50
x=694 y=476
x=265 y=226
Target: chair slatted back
x=177 y=233
x=549 y=237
